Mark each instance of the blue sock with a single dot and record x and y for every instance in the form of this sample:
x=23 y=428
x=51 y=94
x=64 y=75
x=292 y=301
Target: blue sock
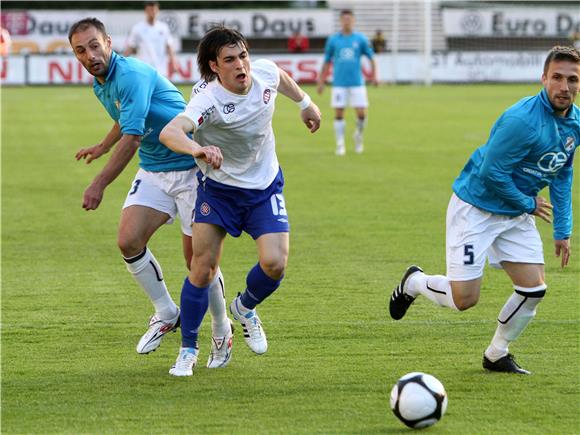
x=194 y=302
x=259 y=287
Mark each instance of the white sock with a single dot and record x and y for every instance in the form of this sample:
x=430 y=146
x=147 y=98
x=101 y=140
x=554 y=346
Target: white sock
x=220 y=324
x=513 y=318
x=148 y=274
x=339 y=126
x=436 y=288
x=360 y=126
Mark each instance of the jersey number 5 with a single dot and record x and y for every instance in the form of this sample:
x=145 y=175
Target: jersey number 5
x=468 y=253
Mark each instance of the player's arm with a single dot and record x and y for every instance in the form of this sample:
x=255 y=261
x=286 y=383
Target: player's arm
x=172 y=58
x=124 y=152
x=96 y=151
x=508 y=145
x=309 y=112
x=561 y=197
x=174 y=136
x=370 y=54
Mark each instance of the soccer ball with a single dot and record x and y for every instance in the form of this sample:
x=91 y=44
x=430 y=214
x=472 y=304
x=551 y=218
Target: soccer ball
x=419 y=400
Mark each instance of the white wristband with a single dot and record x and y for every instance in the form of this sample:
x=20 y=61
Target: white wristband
x=305 y=102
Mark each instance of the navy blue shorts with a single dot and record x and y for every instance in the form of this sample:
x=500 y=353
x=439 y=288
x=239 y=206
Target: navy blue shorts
x=235 y=209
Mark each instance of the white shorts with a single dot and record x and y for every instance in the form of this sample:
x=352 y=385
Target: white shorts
x=474 y=235
x=172 y=192
x=355 y=96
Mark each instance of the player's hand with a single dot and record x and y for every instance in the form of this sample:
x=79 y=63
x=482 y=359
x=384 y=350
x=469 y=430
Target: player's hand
x=92 y=197
x=563 y=251
x=311 y=117
x=91 y=153
x=320 y=88
x=543 y=209
x=212 y=155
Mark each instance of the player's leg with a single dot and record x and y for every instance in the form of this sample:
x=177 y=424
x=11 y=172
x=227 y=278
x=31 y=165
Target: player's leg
x=359 y=101
x=146 y=208
x=468 y=237
x=207 y=250
x=268 y=224
x=222 y=331
x=339 y=100
x=520 y=253
x=262 y=280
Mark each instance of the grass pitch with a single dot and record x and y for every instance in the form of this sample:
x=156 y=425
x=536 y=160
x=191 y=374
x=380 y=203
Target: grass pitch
x=72 y=315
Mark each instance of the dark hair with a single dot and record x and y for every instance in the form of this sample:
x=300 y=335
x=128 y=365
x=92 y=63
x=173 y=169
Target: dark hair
x=346 y=12
x=151 y=4
x=210 y=45
x=84 y=24
x=559 y=53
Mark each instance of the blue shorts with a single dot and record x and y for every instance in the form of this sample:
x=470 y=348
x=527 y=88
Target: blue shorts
x=235 y=209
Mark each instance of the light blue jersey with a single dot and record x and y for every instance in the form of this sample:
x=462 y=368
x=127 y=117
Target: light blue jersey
x=143 y=102
x=345 y=51
x=528 y=149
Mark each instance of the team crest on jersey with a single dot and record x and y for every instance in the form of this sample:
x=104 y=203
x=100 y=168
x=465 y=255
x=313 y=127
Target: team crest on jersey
x=569 y=145
x=267 y=95
x=229 y=108
x=204 y=209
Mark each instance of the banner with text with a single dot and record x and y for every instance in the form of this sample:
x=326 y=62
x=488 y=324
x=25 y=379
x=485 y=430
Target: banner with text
x=45 y=31
x=444 y=67
x=512 y=22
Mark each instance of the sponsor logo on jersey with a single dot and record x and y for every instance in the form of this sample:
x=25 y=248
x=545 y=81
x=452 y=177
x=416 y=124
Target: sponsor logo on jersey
x=205 y=115
x=552 y=162
x=569 y=145
x=204 y=209
x=118 y=104
x=229 y=108
x=200 y=121
x=267 y=94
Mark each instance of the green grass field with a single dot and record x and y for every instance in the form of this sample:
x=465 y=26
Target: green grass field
x=72 y=315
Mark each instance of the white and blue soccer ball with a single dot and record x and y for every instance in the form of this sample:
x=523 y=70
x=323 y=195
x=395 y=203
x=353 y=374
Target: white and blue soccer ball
x=419 y=400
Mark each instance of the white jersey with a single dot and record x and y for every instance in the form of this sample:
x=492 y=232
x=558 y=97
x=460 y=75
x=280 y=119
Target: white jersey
x=240 y=125
x=151 y=42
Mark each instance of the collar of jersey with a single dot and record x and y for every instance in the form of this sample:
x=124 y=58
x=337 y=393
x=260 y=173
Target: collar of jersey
x=233 y=94
x=112 y=64
x=572 y=114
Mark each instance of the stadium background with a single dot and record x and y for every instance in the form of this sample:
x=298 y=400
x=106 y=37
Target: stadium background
x=71 y=314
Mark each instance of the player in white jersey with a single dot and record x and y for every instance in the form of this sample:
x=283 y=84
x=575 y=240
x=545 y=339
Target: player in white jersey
x=151 y=40
x=241 y=186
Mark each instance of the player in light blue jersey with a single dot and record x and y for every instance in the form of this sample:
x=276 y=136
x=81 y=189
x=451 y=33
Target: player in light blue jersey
x=141 y=102
x=344 y=51
x=491 y=212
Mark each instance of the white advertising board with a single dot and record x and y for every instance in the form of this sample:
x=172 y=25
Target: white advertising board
x=445 y=67
x=512 y=22
x=45 y=31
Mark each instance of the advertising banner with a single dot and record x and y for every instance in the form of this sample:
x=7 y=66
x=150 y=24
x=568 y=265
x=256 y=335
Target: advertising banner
x=512 y=22
x=45 y=31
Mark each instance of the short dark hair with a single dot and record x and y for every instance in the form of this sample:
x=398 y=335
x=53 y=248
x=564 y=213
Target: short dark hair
x=84 y=24
x=559 y=53
x=346 y=12
x=210 y=45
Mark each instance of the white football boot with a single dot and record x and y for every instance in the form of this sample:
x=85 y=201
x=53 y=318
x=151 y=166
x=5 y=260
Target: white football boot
x=221 y=350
x=340 y=148
x=254 y=335
x=185 y=362
x=157 y=330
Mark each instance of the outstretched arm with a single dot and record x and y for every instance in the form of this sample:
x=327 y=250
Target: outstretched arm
x=96 y=151
x=322 y=77
x=174 y=136
x=124 y=152
x=309 y=112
